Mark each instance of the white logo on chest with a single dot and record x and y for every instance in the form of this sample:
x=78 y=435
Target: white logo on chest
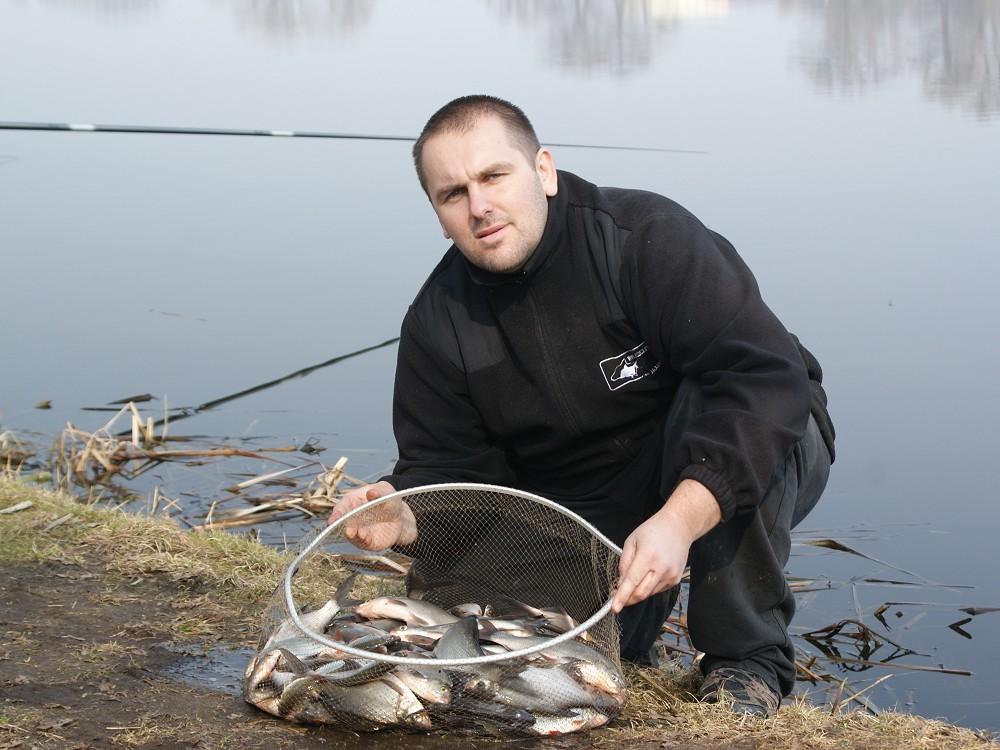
x=628 y=367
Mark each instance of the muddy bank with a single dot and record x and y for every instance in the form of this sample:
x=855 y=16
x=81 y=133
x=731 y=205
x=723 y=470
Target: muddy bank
x=82 y=665
x=96 y=607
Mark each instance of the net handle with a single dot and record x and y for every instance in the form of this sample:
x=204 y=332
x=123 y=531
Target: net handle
x=293 y=610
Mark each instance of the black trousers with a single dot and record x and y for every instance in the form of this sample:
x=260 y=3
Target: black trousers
x=739 y=605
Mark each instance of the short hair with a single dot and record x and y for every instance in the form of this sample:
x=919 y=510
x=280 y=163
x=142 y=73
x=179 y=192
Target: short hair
x=462 y=114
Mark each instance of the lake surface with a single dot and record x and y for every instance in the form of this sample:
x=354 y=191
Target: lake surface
x=850 y=150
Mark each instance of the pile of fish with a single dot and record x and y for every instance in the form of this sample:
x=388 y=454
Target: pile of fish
x=563 y=688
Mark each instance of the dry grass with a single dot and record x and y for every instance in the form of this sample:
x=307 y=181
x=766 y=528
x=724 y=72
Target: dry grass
x=219 y=575
x=660 y=705
x=145 y=730
x=231 y=567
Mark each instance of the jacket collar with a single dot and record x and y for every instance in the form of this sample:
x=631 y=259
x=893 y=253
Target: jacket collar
x=555 y=226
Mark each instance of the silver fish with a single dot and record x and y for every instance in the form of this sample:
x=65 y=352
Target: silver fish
x=269 y=701
x=348 y=632
x=460 y=641
x=306 y=649
x=344 y=672
x=560 y=651
x=489 y=713
x=555 y=618
x=429 y=685
x=254 y=688
x=462 y=610
x=521 y=627
x=410 y=611
x=318 y=619
x=377 y=704
x=550 y=690
x=422 y=635
x=409 y=707
x=354 y=672
x=610 y=682
x=384 y=623
x=579 y=718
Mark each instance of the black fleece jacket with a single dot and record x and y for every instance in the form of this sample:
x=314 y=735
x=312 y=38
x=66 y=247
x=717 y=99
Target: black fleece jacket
x=555 y=379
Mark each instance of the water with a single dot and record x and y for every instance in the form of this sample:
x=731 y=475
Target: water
x=851 y=156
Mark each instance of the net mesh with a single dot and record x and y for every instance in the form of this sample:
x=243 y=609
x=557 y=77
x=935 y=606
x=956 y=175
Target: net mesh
x=487 y=631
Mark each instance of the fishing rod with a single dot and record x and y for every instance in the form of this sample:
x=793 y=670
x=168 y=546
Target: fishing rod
x=257 y=133
x=190 y=412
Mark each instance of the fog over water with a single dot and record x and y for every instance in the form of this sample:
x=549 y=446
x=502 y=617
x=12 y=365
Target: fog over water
x=849 y=149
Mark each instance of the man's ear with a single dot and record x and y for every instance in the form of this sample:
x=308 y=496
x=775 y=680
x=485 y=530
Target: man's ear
x=545 y=166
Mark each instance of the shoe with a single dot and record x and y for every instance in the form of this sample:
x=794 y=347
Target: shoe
x=751 y=696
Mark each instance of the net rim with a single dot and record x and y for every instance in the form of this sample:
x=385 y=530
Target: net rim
x=293 y=609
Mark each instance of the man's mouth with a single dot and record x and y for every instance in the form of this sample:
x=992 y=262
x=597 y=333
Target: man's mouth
x=489 y=231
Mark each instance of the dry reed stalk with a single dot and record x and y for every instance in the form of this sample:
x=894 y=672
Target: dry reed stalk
x=229 y=524
x=166 y=420
x=808 y=672
x=206 y=453
x=835 y=703
x=13 y=451
x=136 y=424
x=208 y=516
x=896 y=665
x=856 y=696
x=267 y=477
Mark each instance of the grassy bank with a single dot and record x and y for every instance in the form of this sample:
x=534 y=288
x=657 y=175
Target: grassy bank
x=236 y=577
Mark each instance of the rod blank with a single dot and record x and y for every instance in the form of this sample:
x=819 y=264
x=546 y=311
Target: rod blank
x=173 y=130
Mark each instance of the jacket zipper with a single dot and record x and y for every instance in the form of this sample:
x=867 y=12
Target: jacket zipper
x=551 y=375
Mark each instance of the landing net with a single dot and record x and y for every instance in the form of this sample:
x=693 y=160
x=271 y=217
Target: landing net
x=502 y=624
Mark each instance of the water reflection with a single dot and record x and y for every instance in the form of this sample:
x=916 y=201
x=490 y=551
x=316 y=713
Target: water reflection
x=107 y=8
x=616 y=35
x=953 y=45
x=292 y=18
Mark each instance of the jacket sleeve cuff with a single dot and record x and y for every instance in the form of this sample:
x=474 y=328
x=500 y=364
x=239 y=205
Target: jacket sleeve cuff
x=716 y=484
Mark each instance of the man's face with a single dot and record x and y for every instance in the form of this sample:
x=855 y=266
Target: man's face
x=488 y=195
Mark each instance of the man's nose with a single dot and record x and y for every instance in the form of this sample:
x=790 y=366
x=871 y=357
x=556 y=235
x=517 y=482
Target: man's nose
x=479 y=202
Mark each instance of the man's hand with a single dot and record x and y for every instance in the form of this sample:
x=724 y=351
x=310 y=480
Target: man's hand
x=655 y=554
x=391 y=524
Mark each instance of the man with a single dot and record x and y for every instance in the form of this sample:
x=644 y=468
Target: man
x=602 y=348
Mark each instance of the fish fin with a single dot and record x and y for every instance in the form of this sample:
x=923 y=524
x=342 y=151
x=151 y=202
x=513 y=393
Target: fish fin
x=486 y=629
x=470 y=624
x=342 y=595
x=295 y=664
x=509 y=607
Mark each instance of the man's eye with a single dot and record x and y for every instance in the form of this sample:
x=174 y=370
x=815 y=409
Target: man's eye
x=453 y=194
x=494 y=176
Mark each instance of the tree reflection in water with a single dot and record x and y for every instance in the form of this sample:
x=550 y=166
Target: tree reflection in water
x=953 y=45
x=293 y=18
x=619 y=36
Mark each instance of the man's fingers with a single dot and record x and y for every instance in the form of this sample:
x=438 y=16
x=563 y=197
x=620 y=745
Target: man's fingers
x=626 y=578
x=631 y=576
x=627 y=587
x=352 y=500
x=628 y=554
x=646 y=588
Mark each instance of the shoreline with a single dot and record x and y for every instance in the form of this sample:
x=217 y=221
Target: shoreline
x=93 y=597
